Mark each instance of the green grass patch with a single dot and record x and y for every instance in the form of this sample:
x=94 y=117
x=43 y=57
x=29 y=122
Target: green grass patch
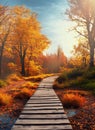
x=82 y=79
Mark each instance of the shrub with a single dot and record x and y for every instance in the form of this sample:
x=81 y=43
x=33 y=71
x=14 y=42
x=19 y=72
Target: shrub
x=79 y=82
x=74 y=73
x=90 y=74
x=72 y=100
x=2 y=83
x=13 y=77
x=29 y=85
x=5 y=99
x=62 y=78
x=89 y=86
x=25 y=93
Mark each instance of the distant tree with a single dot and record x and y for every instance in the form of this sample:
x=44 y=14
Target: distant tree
x=81 y=51
x=53 y=62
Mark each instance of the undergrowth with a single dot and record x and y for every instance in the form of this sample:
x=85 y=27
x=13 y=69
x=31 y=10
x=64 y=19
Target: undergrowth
x=78 y=79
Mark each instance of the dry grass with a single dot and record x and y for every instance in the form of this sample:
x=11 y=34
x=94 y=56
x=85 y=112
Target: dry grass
x=30 y=85
x=77 y=92
x=38 y=78
x=13 y=77
x=5 y=99
x=25 y=93
x=71 y=100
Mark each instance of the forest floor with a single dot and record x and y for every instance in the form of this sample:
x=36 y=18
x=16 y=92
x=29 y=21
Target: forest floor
x=9 y=113
x=82 y=118
x=20 y=90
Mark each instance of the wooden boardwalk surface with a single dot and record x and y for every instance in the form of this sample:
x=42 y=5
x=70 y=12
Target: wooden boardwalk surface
x=43 y=111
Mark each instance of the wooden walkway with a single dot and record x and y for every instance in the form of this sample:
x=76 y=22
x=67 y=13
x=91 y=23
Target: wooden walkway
x=43 y=111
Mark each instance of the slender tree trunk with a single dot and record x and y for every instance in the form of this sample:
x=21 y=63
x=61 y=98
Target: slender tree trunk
x=22 y=66
x=2 y=50
x=91 y=57
x=0 y=66
x=1 y=56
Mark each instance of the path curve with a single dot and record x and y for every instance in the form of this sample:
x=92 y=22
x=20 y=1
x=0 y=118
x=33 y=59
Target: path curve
x=43 y=111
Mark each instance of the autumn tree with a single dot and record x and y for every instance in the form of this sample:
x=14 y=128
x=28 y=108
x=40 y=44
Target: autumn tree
x=81 y=52
x=82 y=13
x=4 y=32
x=27 y=39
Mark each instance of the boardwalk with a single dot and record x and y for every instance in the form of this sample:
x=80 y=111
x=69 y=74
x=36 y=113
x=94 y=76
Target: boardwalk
x=43 y=111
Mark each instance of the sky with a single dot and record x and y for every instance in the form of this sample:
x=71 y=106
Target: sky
x=51 y=15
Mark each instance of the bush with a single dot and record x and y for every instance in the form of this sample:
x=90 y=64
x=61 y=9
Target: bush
x=90 y=74
x=25 y=93
x=2 y=83
x=89 y=86
x=62 y=78
x=5 y=99
x=13 y=77
x=74 y=73
x=72 y=100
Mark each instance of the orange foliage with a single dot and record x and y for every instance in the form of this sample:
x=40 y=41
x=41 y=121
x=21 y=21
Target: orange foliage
x=72 y=100
x=5 y=99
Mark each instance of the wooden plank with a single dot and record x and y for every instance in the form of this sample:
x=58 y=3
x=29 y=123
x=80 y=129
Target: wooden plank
x=46 y=99
x=42 y=111
x=48 y=116
x=42 y=122
x=40 y=97
x=38 y=94
x=57 y=103
x=41 y=127
x=43 y=101
x=44 y=107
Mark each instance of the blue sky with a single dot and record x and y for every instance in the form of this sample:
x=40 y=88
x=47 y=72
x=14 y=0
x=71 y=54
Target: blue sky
x=51 y=14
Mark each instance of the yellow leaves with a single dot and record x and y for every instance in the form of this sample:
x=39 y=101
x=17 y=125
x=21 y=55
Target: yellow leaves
x=34 y=69
x=11 y=65
x=21 y=11
x=24 y=40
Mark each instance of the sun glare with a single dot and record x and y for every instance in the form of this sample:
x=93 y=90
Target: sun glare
x=62 y=36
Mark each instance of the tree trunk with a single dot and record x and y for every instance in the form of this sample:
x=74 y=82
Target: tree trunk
x=1 y=56
x=22 y=67
x=91 y=57
x=0 y=66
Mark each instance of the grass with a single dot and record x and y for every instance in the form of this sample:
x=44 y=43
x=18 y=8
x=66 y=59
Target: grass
x=75 y=80
x=71 y=100
x=78 y=79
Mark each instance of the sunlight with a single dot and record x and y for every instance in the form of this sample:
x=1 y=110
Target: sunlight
x=92 y=3
x=61 y=36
